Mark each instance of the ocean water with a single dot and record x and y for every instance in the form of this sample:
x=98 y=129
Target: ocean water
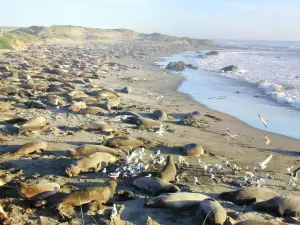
x=267 y=82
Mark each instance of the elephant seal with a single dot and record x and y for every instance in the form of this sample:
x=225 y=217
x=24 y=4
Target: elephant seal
x=86 y=150
x=249 y=195
x=5 y=106
x=143 y=122
x=76 y=106
x=169 y=171
x=160 y=115
x=94 y=162
x=34 y=124
x=84 y=196
x=3 y=215
x=55 y=100
x=125 y=143
x=31 y=147
x=154 y=185
x=93 y=111
x=193 y=150
x=38 y=191
x=11 y=118
x=259 y=222
x=111 y=102
x=176 y=200
x=35 y=104
x=288 y=206
x=212 y=212
x=102 y=127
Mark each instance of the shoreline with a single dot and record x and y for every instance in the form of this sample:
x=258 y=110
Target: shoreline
x=190 y=97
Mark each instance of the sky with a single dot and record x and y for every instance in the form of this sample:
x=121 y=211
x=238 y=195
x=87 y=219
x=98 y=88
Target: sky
x=213 y=19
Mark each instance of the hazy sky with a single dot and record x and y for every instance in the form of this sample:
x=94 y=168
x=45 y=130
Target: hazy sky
x=217 y=19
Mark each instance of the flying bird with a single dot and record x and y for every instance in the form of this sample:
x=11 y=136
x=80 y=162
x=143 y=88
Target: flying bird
x=264 y=164
x=268 y=141
x=262 y=120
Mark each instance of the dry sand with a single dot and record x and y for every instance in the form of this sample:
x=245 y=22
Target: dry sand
x=248 y=149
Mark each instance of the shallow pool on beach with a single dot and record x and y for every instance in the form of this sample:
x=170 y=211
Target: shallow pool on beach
x=239 y=98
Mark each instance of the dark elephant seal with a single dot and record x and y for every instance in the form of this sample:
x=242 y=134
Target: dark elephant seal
x=176 y=200
x=154 y=185
x=259 y=222
x=160 y=115
x=143 y=122
x=280 y=206
x=211 y=211
x=169 y=171
x=247 y=196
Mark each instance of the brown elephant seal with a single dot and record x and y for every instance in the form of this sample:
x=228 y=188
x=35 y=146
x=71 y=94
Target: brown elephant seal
x=248 y=195
x=34 y=124
x=31 y=147
x=5 y=106
x=55 y=100
x=143 y=122
x=211 y=211
x=177 y=200
x=102 y=127
x=77 y=94
x=94 y=162
x=39 y=191
x=35 y=104
x=154 y=185
x=169 y=171
x=160 y=115
x=3 y=215
x=84 y=196
x=288 y=206
x=259 y=222
x=87 y=149
x=111 y=103
x=125 y=143
x=11 y=118
x=76 y=106
x=93 y=111
x=193 y=150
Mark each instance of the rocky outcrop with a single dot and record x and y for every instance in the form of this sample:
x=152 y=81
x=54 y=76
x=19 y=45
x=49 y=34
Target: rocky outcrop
x=227 y=69
x=190 y=66
x=178 y=66
x=212 y=53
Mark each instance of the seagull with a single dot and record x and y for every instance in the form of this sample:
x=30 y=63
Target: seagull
x=233 y=136
x=104 y=170
x=196 y=182
x=157 y=153
x=264 y=164
x=162 y=129
x=269 y=177
x=289 y=169
x=255 y=170
x=249 y=174
x=228 y=129
x=296 y=171
x=205 y=167
x=246 y=181
x=212 y=177
x=268 y=141
x=114 y=175
x=211 y=171
x=149 y=175
x=227 y=164
x=114 y=211
x=262 y=120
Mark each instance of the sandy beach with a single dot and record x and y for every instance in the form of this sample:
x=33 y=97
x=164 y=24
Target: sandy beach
x=152 y=89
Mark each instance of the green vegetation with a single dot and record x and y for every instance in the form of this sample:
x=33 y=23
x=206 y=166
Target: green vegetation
x=4 y=43
x=21 y=36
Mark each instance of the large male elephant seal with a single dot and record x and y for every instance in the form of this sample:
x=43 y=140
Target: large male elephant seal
x=154 y=185
x=211 y=211
x=247 y=196
x=169 y=171
x=176 y=200
x=281 y=206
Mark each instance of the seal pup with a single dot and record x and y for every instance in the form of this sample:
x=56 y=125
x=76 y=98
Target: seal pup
x=259 y=222
x=124 y=143
x=35 y=104
x=154 y=185
x=87 y=149
x=3 y=215
x=248 y=195
x=31 y=147
x=84 y=196
x=102 y=127
x=177 y=200
x=38 y=191
x=5 y=106
x=94 y=162
x=34 y=124
x=93 y=111
x=211 y=211
x=76 y=106
x=288 y=206
x=111 y=103
x=169 y=171
x=193 y=150
x=55 y=100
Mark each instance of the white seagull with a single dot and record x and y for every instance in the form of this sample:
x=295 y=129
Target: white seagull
x=262 y=120
x=264 y=164
x=114 y=211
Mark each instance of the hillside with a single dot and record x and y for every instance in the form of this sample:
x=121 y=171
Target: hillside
x=21 y=37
